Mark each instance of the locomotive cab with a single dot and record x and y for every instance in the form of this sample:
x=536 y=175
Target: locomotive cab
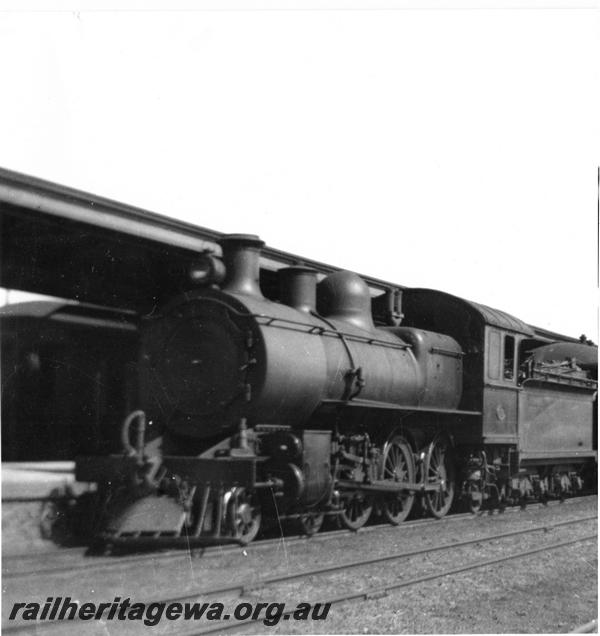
x=535 y=433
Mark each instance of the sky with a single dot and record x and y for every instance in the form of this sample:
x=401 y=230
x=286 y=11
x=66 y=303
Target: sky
x=453 y=146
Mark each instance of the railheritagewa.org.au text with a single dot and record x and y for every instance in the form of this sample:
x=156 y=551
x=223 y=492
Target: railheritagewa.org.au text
x=65 y=608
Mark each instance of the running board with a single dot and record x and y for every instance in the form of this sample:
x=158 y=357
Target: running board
x=358 y=403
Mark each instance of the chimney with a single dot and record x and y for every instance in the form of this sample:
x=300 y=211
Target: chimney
x=298 y=288
x=241 y=255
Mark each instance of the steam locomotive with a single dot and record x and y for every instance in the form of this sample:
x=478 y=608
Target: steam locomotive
x=328 y=402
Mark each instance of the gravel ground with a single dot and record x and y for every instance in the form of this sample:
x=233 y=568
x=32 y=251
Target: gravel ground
x=551 y=591
x=547 y=592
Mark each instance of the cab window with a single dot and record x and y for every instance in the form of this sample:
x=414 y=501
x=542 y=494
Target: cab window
x=509 y=358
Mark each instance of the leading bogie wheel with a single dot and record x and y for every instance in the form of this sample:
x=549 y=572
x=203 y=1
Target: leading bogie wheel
x=439 y=469
x=398 y=465
x=244 y=515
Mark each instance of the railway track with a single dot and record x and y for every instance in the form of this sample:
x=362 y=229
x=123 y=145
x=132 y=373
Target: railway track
x=379 y=591
x=76 y=560
x=382 y=590
x=251 y=587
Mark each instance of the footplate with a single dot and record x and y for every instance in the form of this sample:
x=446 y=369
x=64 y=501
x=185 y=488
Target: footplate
x=153 y=542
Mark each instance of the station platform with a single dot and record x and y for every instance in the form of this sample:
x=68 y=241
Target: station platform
x=31 y=481
x=35 y=498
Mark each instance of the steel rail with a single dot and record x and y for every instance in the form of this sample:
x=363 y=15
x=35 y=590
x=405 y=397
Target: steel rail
x=212 y=551
x=381 y=591
x=215 y=551
x=245 y=587
x=109 y=563
x=241 y=588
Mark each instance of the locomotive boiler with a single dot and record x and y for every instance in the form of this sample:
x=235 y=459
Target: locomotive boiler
x=254 y=409
x=216 y=357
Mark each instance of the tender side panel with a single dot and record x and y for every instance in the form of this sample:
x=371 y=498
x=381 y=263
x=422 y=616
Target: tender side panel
x=555 y=423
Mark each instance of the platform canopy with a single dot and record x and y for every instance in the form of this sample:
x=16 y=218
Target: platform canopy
x=74 y=245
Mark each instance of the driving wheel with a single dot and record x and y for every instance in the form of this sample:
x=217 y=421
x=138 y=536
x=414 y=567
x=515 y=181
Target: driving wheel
x=398 y=466
x=439 y=469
